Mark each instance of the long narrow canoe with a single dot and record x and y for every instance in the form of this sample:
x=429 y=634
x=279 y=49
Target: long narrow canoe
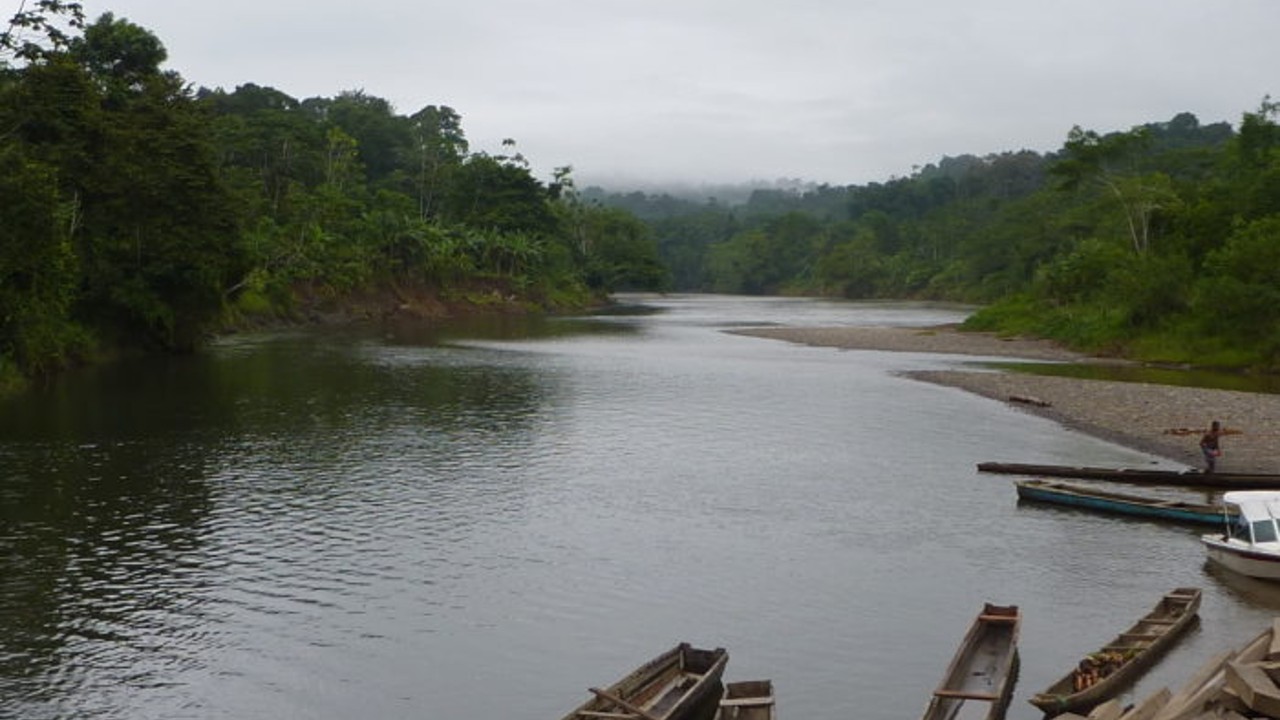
x=981 y=676
x=1195 y=478
x=747 y=700
x=1102 y=675
x=672 y=686
x=1090 y=498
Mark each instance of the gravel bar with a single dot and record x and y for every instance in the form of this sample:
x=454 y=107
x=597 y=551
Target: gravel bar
x=1163 y=420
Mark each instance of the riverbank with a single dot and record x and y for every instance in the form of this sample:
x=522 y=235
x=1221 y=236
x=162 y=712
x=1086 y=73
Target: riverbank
x=1163 y=420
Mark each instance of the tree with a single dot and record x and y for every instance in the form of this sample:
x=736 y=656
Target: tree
x=123 y=56
x=1091 y=157
x=439 y=146
x=45 y=19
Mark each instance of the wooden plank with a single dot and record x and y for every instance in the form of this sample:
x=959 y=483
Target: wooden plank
x=1206 y=681
x=965 y=695
x=747 y=701
x=998 y=618
x=607 y=715
x=1254 y=687
x=1148 y=708
x=1273 y=649
x=1109 y=710
x=623 y=704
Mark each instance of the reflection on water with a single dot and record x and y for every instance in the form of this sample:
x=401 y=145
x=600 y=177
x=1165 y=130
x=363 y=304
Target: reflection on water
x=483 y=520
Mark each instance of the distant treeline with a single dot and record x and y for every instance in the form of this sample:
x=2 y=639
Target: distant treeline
x=1161 y=242
x=137 y=213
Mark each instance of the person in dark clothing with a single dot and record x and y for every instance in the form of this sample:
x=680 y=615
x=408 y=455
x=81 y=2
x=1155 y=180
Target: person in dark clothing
x=1210 y=447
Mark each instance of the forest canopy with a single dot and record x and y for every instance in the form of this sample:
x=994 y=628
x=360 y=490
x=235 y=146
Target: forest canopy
x=142 y=212
x=1159 y=242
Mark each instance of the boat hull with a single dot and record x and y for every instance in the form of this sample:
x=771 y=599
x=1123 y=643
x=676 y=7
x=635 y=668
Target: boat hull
x=1240 y=559
x=1118 y=503
x=747 y=700
x=980 y=678
x=673 y=686
x=1145 y=642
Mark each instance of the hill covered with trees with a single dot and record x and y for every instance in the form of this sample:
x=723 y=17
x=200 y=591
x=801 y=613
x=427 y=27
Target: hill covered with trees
x=1160 y=242
x=142 y=213
x=139 y=213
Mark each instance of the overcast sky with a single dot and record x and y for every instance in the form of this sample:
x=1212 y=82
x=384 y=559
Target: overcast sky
x=836 y=91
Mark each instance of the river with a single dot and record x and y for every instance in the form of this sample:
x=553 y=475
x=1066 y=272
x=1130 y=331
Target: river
x=485 y=519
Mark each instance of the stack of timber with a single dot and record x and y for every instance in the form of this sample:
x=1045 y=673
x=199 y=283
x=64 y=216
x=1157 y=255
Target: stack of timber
x=1103 y=674
x=671 y=686
x=1234 y=685
x=981 y=676
x=747 y=700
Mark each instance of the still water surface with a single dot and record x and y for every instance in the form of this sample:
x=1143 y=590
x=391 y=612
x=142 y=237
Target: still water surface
x=483 y=521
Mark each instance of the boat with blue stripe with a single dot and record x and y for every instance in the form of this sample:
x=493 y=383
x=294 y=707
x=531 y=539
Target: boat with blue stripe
x=1091 y=498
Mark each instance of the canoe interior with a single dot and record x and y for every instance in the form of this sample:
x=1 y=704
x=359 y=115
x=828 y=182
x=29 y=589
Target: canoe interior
x=1140 y=646
x=747 y=700
x=667 y=687
x=980 y=678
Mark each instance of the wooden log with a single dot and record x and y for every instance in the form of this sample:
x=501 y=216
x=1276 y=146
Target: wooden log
x=1229 y=699
x=1254 y=687
x=1029 y=400
x=1256 y=650
x=623 y=704
x=1203 y=684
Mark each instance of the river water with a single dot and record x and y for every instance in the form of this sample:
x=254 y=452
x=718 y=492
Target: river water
x=484 y=520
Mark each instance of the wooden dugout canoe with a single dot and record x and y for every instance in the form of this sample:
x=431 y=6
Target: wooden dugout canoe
x=669 y=687
x=980 y=678
x=1111 y=669
x=1090 y=498
x=1193 y=478
x=747 y=700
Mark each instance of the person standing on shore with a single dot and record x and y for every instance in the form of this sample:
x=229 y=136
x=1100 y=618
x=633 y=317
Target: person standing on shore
x=1210 y=447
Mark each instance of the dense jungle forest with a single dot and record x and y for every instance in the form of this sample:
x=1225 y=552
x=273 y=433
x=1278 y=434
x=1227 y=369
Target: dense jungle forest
x=1161 y=242
x=141 y=212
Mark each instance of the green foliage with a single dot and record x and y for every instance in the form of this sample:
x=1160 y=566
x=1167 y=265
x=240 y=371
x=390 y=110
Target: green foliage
x=38 y=269
x=140 y=214
x=137 y=213
x=49 y=20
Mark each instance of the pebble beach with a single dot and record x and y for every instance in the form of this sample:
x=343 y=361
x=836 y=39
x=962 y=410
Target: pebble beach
x=1163 y=420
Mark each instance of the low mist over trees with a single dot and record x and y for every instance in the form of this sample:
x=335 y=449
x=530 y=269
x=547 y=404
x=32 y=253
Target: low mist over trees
x=1156 y=241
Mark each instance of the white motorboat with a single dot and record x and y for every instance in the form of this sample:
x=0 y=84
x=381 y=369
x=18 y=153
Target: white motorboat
x=1250 y=542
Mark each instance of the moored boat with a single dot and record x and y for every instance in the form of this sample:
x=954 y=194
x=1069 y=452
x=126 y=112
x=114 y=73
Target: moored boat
x=1194 y=478
x=980 y=678
x=1249 y=543
x=1092 y=498
x=672 y=686
x=747 y=700
x=1103 y=674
